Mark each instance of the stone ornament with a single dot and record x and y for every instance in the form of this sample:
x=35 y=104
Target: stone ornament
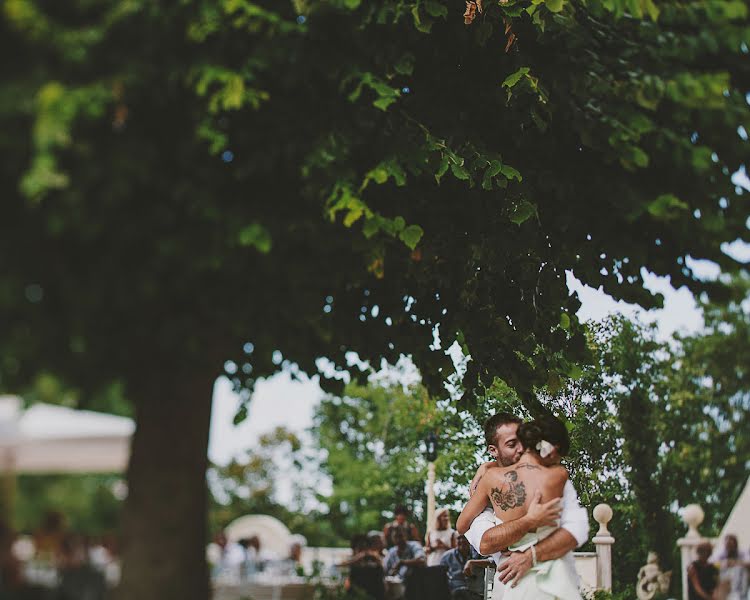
x=651 y=580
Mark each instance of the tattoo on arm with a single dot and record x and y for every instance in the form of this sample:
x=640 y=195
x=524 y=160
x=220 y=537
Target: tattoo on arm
x=511 y=494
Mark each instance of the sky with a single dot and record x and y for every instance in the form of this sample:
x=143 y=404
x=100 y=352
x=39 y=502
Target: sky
x=281 y=401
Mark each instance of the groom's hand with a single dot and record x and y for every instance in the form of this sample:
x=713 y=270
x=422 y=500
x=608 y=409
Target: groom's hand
x=540 y=515
x=517 y=565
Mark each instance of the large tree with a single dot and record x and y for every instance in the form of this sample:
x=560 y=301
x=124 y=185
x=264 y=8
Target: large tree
x=175 y=179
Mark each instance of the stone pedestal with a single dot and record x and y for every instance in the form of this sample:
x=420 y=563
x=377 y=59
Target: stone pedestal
x=692 y=516
x=603 y=541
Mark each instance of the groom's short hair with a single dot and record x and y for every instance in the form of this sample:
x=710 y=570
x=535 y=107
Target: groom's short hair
x=495 y=421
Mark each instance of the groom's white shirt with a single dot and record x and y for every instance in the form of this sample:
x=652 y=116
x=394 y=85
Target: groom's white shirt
x=574 y=519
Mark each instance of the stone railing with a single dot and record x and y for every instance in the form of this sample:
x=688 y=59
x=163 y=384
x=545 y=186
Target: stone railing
x=595 y=568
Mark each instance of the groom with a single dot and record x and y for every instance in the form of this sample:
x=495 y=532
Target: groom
x=490 y=539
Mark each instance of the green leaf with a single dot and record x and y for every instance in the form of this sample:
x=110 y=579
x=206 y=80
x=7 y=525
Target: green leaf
x=405 y=64
x=384 y=103
x=352 y=216
x=575 y=372
x=565 y=321
x=240 y=415
x=443 y=169
x=399 y=223
x=555 y=6
x=493 y=170
x=667 y=207
x=702 y=158
x=510 y=173
x=640 y=158
x=554 y=383
x=411 y=235
x=459 y=172
x=514 y=78
x=651 y=9
x=435 y=8
x=523 y=212
x=425 y=26
x=370 y=228
x=255 y=235
x=379 y=175
x=352 y=4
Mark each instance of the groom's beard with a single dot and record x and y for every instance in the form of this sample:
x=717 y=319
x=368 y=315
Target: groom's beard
x=506 y=462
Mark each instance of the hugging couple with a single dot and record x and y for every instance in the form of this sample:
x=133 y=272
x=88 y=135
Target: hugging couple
x=524 y=511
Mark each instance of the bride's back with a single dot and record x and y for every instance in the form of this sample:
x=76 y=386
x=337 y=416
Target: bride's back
x=511 y=489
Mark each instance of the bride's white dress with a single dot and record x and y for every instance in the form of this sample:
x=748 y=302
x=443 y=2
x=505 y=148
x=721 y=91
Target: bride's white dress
x=549 y=580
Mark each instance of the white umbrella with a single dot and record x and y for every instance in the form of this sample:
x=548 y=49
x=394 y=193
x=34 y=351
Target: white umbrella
x=47 y=438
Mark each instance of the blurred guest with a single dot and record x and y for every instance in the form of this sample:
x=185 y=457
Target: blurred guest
x=78 y=579
x=226 y=558
x=400 y=523
x=358 y=543
x=404 y=557
x=251 y=561
x=440 y=538
x=48 y=538
x=366 y=572
x=99 y=556
x=73 y=552
x=703 y=577
x=292 y=565
x=733 y=564
x=376 y=544
x=366 y=550
x=11 y=577
x=465 y=570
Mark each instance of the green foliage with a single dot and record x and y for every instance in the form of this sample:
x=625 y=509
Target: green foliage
x=660 y=425
x=380 y=114
x=87 y=501
x=249 y=485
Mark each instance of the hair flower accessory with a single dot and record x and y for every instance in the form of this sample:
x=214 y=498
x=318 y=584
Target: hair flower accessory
x=544 y=448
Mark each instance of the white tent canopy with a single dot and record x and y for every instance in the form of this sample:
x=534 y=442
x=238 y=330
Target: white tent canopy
x=739 y=519
x=275 y=538
x=54 y=439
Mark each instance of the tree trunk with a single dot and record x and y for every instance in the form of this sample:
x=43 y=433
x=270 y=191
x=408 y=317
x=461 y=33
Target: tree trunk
x=164 y=517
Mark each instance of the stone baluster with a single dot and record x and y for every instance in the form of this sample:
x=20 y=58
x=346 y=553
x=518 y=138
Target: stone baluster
x=692 y=515
x=603 y=541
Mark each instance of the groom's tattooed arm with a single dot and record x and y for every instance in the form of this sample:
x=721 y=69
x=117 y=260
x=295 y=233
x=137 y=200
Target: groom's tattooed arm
x=501 y=536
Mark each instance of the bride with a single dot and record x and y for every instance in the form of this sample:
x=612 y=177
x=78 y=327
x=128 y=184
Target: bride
x=509 y=490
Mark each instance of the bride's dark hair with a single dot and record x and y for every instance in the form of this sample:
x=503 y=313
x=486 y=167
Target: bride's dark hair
x=547 y=428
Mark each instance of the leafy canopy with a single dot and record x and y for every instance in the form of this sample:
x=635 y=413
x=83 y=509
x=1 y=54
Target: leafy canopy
x=321 y=176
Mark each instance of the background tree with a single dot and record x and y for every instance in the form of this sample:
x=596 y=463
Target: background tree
x=683 y=442
x=166 y=173
x=250 y=485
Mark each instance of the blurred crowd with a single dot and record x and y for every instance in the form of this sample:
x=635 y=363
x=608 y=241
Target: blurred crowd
x=721 y=573
x=398 y=564
x=236 y=562
x=56 y=564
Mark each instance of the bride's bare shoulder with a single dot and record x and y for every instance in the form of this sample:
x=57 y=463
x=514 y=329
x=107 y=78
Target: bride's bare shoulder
x=559 y=472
